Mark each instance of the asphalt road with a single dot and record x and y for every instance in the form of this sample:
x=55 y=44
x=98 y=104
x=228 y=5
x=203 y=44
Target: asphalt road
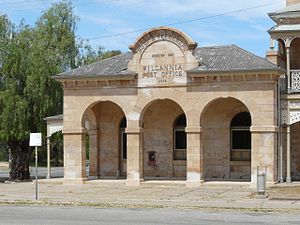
x=83 y=215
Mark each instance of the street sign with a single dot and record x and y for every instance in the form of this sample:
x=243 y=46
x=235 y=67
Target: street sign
x=35 y=139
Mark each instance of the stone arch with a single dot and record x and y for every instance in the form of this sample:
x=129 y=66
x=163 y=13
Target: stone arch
x=216 y=134
x=137 y=46
x=212 y=101
x=161 y=48
x=89 y=121
x=104 y=138
x=143 y=106
x=157 y=119
x=295 y=54
x=88 y=113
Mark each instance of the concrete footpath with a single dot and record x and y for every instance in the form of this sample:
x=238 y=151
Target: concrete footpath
x=154 y=194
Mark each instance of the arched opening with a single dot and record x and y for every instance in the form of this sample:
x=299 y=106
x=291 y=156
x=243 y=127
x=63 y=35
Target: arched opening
x=164 y=140
x=123 y=148
x=240 y=150
x=295 y=54
x=295 y=151
x=226 y=140
x=180 y=138
x=104 y=122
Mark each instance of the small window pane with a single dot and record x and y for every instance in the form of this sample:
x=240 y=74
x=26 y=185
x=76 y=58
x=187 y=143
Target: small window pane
x=179 y=155
x=180 y=140
x=241 y=139
x=241 y=155
x=124 y=147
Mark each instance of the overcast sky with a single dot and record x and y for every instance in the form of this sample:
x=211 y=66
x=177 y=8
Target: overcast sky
x=102 y=18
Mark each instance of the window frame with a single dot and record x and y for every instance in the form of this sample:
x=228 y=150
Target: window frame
x=181 y=150
x=243 y=152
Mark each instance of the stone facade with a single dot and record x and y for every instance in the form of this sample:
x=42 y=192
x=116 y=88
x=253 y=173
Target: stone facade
x=295 y=151
x=292 y=2
x=164 y=80
x=287 y=35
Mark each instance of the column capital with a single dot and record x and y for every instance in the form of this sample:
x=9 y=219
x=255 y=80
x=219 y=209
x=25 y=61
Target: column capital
x=194 y=130
x=134 y=130
x=71 y=131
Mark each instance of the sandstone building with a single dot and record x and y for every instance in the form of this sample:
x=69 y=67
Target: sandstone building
x=171 y=110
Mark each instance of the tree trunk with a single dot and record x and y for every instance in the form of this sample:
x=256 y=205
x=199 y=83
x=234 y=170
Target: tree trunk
x=20 y=153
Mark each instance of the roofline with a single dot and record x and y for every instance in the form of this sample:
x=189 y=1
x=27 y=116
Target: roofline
x=54 y=117
x=194 y=72
x=191 y=44
x=102 y=60
x=281 y=31
x=127 y=76
x=288 y=14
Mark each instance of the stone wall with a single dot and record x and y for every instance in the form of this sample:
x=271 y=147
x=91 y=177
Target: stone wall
x=158 y=137
x=295 y=151
x=108 y=117
x=215 y=123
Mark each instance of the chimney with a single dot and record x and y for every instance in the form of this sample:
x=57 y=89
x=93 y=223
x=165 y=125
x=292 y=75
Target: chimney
x=292 y=2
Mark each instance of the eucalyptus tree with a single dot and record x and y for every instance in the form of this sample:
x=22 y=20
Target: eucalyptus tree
x=29 y=57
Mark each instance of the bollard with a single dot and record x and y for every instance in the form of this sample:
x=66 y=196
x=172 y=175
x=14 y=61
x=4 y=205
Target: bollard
x=261 y=183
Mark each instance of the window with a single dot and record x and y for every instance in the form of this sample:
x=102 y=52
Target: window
x=123 y=125
x=241 y=137
x=180 y=138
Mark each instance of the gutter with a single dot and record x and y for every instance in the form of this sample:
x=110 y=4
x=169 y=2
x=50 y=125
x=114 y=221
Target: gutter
x=128 y=76
x=237 y=71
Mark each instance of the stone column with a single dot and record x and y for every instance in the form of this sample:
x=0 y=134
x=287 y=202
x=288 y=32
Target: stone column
x=194 y=157
x=74 y=156
x=264 y=153
x=93 y=157
x=48 y=159
x=134 y=156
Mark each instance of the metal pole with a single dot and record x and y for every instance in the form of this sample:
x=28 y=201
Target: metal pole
x=288 y=155
x=36 y=174
x=48 y=158
x=288 y=69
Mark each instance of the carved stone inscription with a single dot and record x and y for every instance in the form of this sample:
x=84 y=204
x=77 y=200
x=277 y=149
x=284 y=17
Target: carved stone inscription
x=163 y=62
x=163 y=36
x=161 y=71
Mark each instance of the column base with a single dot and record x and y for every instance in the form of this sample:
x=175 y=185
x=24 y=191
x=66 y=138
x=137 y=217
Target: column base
x=289 y=180
x=48 y=177
x=133 y=183
x=194 y=183
x=73 y=181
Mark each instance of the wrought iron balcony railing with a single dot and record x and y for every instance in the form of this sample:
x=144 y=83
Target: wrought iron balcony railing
x=295 y=80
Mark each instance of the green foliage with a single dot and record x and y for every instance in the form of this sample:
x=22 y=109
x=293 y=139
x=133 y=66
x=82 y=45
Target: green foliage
x=29 y=56
x=89 y=55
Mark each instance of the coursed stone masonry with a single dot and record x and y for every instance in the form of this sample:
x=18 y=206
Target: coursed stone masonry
x=163 y=79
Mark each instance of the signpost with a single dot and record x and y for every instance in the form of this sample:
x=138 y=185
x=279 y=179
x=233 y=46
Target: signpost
x=36 y=141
